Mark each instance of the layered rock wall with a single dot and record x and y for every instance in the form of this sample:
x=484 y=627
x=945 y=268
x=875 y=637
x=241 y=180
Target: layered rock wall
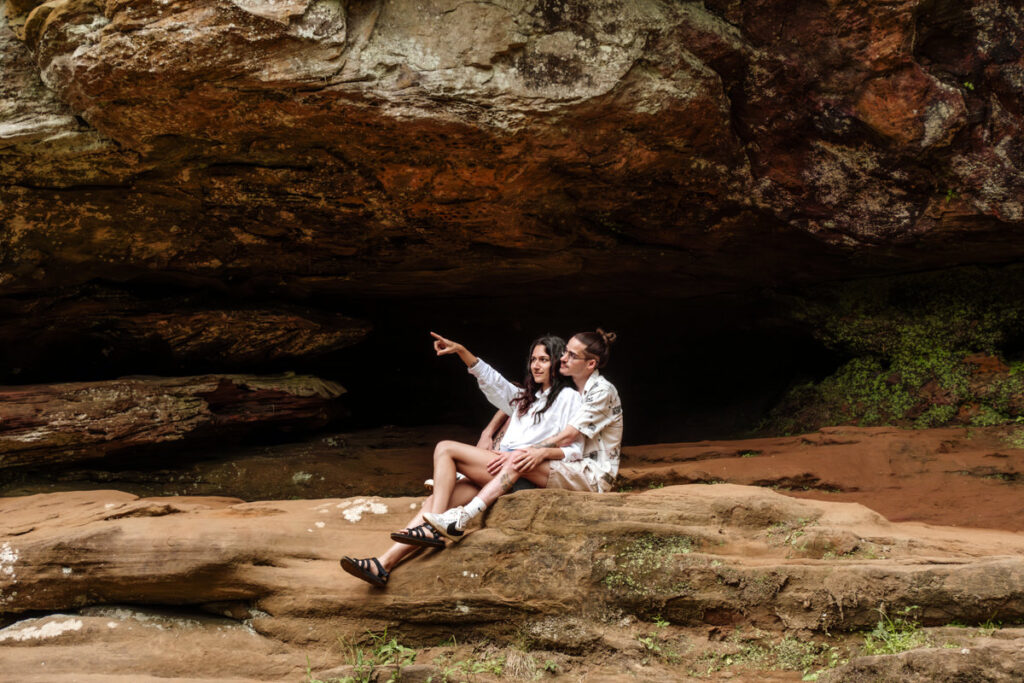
x=386 y=143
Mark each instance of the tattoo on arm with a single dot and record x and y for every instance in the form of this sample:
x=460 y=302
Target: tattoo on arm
x=506 y=482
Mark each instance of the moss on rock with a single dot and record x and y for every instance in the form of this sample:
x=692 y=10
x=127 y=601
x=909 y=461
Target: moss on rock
x=922 y=350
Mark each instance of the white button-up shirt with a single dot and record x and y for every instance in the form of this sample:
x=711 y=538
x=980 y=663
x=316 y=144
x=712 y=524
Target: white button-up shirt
x=525 y=430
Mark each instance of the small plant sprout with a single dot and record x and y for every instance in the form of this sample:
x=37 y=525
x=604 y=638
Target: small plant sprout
x=895 y=633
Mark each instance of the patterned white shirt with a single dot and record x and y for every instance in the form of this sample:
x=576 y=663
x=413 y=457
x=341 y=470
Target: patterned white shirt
x=599 y=419
x=524 y=430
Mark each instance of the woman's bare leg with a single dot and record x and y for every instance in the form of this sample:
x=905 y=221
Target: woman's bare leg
x=452 y=522
x=450 y=456
x=509 y=476
x=462 y=494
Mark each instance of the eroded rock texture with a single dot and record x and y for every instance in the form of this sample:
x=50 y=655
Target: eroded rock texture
x=386 y=146
x=563 y=570
x=384 y=462
x=209 y=182
x=43 y=425
x=935 y=476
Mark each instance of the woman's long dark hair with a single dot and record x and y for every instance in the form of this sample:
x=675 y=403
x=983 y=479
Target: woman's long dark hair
x=555 y=347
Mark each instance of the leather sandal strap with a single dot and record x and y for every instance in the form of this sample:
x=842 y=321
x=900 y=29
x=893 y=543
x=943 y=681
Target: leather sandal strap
x=365 y=564
x=424 y=531
x=380 y=568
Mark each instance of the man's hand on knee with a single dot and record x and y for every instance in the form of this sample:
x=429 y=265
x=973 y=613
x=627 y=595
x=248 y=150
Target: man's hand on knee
x=525 y=460
x=498 y=462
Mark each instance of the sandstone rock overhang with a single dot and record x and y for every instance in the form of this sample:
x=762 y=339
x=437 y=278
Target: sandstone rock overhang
x=387 y=147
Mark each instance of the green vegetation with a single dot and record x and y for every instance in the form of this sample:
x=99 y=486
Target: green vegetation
x=750 y=655
x=810 y=657
x=657 y=644
x=309 y=675
x=1015 y=438
x=834 y=658
x=896 y=633
x=382 y=651
x=379 y=657
x=639 y=568
x=461 y=669
x=987 y=628
x=923 y=350
x=987 y=417
x=790 y=533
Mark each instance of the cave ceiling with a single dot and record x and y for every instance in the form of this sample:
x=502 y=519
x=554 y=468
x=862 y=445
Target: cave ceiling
x=263 y=151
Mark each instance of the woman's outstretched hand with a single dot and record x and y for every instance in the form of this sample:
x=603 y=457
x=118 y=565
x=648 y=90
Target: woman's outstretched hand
x=444 y=347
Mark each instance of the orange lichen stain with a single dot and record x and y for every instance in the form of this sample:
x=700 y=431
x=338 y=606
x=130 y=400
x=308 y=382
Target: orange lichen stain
x=406 y=179
x=895 y=106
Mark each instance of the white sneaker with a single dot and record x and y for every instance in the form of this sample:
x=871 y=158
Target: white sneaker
x=451 y=523
x=459 y=476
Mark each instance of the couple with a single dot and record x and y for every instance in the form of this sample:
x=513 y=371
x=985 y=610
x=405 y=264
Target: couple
x=564 y=431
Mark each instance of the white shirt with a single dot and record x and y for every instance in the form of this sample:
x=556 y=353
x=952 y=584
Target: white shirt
x=523 y=430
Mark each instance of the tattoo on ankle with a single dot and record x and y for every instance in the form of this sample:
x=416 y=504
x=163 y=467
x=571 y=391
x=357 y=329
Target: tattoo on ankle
x=506 y=481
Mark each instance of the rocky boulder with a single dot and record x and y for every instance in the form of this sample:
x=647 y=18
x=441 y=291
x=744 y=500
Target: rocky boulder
x=47 y=424
x=698 y=556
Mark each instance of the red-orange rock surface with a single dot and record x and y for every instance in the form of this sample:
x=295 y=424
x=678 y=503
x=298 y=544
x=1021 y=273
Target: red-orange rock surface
x=969 y=477
x=566 y=567
x=387 y=146
x=936 y=476
x=283 y=161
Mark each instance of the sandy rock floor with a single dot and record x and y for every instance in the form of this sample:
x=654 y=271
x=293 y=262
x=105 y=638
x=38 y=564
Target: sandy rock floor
x=661 y=582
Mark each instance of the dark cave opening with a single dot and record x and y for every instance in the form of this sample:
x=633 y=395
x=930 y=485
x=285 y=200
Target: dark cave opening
x=686 y=369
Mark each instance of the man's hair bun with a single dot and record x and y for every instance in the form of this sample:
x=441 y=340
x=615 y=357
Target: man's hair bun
x=597 y=344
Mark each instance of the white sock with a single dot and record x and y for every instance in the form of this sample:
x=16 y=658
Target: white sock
x=475 y=507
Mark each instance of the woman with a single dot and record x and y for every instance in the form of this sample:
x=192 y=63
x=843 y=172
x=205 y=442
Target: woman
x=536 y=412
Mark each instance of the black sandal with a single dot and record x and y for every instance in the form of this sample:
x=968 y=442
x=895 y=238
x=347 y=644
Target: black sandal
x=423 y=536
x=362 y=569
